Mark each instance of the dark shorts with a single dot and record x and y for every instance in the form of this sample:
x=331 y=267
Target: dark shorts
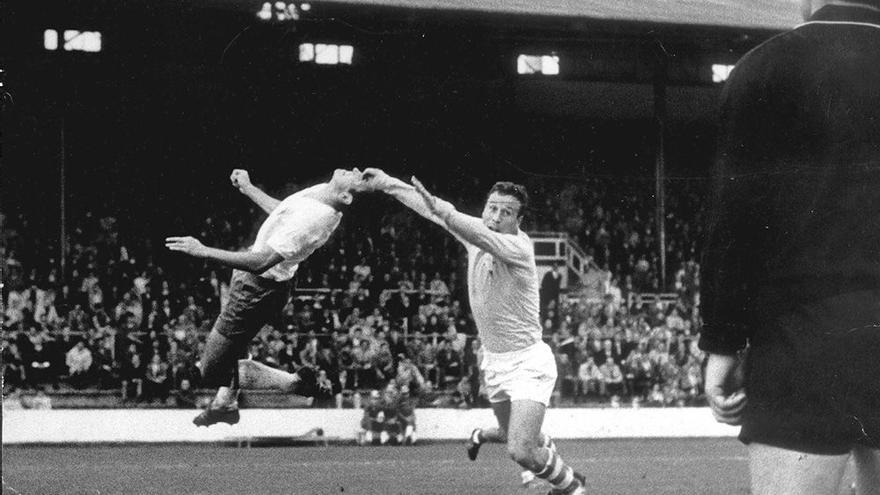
x=253 y=302
x=813 y=377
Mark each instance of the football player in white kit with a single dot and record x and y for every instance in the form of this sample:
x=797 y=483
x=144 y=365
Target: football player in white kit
x=519 y=368
x=295 y=228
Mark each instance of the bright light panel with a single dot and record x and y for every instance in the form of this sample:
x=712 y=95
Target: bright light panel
x=326 y=54
x=50 y=39
x=346 y=53
x=550 y=65
x=306 y=52
x=82 y=41
x=538 y=64
x=720 y=72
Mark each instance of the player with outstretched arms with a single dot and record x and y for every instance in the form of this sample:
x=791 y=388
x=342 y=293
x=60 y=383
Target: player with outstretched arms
x=295 y=228
x=519 y=367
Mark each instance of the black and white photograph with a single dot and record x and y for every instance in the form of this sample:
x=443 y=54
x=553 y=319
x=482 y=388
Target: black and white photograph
x=440 y=247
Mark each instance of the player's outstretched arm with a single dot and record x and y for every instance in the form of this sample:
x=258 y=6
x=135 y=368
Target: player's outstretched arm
x=251 y=261
x=378 y=180
x=472 y=230
x=241 y=180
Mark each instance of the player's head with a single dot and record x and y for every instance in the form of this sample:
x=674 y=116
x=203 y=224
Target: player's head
x=346 y=183
x=505 y=207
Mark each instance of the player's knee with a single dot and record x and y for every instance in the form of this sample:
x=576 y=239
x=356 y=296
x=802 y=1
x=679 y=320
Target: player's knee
x=523 y=453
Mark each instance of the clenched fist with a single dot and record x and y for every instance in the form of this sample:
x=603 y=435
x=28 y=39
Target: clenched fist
x=240 y=179
x=376 y=179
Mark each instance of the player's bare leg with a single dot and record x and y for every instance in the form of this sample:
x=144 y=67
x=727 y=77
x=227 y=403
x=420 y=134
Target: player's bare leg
x=492 y=434
x=255 y=375
x=218 y=370
x=498 y=434
x=867 y=470
x=525 y=446
x=778 y=471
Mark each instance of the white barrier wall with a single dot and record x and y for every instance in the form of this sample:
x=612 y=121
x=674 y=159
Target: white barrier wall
x=174 y=425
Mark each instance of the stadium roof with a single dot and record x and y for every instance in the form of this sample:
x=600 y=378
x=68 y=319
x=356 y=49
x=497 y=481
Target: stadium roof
x=754 y=14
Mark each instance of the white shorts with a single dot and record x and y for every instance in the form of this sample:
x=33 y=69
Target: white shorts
x=528 y=373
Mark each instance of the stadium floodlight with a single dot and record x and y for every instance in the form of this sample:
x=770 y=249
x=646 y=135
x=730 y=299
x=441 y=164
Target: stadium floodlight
x=326 y=53
x=550 y=65
x=81 y=41
x=278 y=12
x=265 y=13
x=50 y=39
x=538 y=64
x=346 y=53
x=306 y=52
x=720 y=72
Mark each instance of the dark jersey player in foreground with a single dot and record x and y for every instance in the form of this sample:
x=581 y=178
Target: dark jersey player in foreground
x=792 y=264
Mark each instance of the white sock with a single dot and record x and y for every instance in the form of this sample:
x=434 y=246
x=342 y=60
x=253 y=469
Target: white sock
x=226 y=397
x=475 y=436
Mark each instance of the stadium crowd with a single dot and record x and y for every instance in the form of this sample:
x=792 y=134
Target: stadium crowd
x=383 y=302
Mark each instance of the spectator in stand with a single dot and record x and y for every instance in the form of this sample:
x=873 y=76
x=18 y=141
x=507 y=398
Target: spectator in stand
x=308 y=356
x=612 y=378
x=156 y=382
x=365 y=373
x=130 y=308
x=406 y=415
x=691 y=378
x=383 y=363
x=391 y=427
x=354 y=319
x=193 y=312
x=457 y=341
x=566 y=375
x=79 y=364
x=589 y=379
x=448 y=364
x=184 y=396
x=396 y=342
x=655 y=397
x=327 y=389
x=472 y=356
x=373 y=420
x=39 y=370
x=426 y=359
x=638 y=370
x=438 y=288
x=132 y=374
x=362 y=270
x=13 y=366
x=408 y=375
x=551 y=286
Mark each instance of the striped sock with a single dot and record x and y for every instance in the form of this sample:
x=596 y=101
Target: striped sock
x=558 y=474
x=548 y=442
x=475 y=436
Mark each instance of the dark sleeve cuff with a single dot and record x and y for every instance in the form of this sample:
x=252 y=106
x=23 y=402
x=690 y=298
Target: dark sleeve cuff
x=723 y=339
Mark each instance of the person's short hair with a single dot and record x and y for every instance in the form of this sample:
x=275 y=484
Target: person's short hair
x=516 y=190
